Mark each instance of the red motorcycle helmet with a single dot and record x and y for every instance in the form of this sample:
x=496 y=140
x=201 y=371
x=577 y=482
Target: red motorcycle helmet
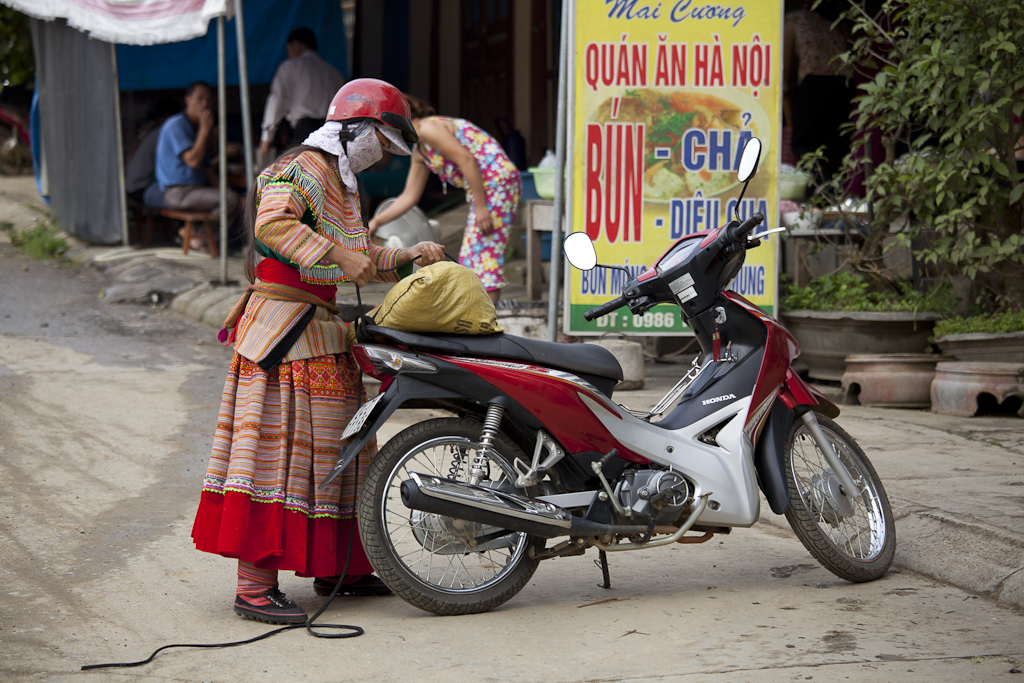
x=370 y=98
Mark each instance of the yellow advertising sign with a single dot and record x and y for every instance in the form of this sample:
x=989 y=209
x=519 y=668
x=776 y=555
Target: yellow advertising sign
x=664 y=95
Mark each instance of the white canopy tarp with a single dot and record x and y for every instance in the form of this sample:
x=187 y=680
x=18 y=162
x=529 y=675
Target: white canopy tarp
x=131 y=22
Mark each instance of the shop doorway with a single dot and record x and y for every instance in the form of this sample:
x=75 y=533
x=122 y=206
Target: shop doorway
x=487 y=66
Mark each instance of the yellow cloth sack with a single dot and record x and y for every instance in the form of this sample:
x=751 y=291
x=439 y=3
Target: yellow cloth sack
x=441 y=297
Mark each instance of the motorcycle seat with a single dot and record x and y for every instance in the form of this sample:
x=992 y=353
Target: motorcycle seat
x=585 y=359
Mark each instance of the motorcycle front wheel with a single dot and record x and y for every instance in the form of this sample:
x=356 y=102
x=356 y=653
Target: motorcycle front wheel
x=855 y=542
x=438 y=563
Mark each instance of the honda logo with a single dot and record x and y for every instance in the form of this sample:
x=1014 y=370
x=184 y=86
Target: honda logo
x=718 y=399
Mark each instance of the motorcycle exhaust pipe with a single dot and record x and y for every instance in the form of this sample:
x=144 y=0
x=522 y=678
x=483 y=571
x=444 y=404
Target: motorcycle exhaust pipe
x=482 y=505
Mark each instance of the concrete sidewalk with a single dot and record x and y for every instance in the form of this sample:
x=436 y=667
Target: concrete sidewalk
x=956 y=485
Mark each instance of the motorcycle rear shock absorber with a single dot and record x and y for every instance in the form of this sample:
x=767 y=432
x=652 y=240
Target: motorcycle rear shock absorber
x=492 y=425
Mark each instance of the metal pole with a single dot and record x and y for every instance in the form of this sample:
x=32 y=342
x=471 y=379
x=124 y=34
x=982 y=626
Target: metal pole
x=570 y=138
x=222 y=144
x=556 y=224
x=243 y=84
x=121 y=195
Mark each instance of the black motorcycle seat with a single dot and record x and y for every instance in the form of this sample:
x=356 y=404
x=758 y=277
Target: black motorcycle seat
x=586 y=359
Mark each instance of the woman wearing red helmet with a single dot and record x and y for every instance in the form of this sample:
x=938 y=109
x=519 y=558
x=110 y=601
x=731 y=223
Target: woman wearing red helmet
x=293 y=386
x=463 y=155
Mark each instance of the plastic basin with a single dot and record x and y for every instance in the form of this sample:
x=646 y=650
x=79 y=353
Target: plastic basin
x=544 y=181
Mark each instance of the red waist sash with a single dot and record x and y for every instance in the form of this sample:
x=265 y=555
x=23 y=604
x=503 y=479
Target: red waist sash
x=275 y=281
x=273 y=271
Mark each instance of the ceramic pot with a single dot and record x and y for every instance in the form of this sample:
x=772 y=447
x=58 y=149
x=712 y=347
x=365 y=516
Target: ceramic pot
x=957 y=385
x=827 y=337
x=524 y=320
x=631 y=359
x=995 y=347
x=890 y=380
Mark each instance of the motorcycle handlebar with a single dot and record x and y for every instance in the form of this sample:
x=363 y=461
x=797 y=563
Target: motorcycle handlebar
x=737 y=233
x=604 y=309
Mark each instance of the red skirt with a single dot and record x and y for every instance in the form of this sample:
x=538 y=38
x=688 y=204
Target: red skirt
x=278 y=436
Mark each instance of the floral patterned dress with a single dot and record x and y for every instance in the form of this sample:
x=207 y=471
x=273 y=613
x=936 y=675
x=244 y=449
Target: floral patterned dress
x=483 y=254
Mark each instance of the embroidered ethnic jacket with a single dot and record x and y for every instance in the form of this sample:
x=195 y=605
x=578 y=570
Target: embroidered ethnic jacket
x=302 y=210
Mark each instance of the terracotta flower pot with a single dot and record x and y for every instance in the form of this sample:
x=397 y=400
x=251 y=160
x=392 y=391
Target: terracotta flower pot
x=827 y=337
x=995 y=347
x=890 y=380
x=958 y=384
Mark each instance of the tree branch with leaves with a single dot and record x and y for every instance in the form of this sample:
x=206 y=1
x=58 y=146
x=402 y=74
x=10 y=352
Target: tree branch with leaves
x=947 y=83
x=17 y=63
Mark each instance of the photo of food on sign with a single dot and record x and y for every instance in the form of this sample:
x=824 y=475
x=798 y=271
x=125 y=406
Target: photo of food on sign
x=692 y=140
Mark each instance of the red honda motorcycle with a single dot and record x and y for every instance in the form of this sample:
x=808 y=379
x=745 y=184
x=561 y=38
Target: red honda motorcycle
x=538 y=460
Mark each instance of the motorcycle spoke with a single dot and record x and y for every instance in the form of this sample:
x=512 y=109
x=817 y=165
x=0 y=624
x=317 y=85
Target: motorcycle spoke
x=429 y=547
x=409 y=530
x=455 y=575
x=861 y=534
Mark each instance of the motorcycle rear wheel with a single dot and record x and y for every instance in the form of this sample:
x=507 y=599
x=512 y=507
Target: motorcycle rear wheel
x=858 y=546
x=418 y=555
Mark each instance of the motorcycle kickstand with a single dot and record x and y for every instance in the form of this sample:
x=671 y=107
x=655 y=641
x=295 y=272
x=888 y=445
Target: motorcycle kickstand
x=602 y=562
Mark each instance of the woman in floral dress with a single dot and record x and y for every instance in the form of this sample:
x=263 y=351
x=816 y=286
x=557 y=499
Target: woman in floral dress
x=463 y=155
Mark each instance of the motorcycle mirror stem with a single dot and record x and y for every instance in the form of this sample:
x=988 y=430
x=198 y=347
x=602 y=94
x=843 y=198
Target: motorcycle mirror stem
x=579 y=250
x=749 y=157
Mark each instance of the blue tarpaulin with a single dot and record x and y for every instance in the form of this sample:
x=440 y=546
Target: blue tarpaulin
x=267 y=25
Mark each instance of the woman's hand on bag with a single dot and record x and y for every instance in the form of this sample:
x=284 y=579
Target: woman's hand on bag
x=429 y=252
x=356 y=265
x=484 y=222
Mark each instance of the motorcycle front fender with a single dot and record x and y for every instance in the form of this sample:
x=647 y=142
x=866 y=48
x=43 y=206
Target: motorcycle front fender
x=769 y=460
x=796 y=392
x=404 y=388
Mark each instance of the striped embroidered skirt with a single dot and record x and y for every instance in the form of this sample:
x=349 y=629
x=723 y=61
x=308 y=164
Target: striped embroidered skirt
x=278 y=436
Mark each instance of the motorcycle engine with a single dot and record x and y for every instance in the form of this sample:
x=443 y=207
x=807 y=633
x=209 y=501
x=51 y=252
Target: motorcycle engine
x=662 y=493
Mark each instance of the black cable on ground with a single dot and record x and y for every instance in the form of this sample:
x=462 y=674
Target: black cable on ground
x=354 y=631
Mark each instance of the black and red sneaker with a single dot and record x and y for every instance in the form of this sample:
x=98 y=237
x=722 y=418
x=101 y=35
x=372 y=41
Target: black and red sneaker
x=270 y=606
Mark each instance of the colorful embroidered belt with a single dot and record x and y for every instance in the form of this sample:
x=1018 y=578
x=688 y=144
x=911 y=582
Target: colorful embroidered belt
x=280 y=282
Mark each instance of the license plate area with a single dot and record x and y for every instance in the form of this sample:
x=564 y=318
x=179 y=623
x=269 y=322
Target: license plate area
x=359 y=419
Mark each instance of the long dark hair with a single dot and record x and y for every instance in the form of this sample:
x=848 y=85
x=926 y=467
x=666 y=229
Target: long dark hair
x=249 y=215
x=420 y=109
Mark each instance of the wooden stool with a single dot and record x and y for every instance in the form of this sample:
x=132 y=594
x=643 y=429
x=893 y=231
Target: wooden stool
x=190 y=218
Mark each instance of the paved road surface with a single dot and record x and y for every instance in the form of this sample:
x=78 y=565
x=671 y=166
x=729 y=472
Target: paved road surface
x=106 y=414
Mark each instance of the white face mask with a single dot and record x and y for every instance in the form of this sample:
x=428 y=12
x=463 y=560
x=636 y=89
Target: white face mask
x=362 y=152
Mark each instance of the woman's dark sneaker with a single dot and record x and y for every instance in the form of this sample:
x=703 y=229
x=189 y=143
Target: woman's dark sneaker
x=270 y=606
x=364 y=585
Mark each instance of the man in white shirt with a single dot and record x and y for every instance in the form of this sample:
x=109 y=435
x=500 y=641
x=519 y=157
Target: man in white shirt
x=301 y=90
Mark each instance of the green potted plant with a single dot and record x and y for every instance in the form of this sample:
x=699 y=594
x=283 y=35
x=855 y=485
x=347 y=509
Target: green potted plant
x=984 y=355
x=842 y=314
x=986 y=338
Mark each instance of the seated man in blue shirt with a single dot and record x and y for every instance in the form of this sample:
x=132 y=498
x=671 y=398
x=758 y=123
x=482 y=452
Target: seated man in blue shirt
x=183 y=157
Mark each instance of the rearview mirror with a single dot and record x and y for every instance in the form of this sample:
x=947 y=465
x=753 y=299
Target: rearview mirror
x=748 y=160
x=580 y=251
